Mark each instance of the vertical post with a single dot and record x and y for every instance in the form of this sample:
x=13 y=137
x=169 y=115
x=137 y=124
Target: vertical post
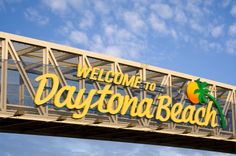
x=82 y=81
x=143 y=77
x=45 y=71
x=170 y=85
x=114 y=69
x=4 y=75
x=21 y=92
x=169 y=92
x=143 y=92
x=234 y=113
x=214 y=90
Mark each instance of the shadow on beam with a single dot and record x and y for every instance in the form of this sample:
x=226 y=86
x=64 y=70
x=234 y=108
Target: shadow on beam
x=112 y=134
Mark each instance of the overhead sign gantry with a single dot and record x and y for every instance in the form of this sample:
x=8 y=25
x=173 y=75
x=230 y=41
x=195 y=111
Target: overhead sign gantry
x=51 y=89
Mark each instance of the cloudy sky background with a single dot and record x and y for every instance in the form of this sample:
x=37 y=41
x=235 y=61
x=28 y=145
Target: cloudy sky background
x=197 y=37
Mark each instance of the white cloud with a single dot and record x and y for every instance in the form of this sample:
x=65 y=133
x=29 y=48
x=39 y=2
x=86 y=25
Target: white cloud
x=233 y=11
x=61 y=6
x=180 y=16
x=115 y=40
x=173 y=33
x=110 y=30
x=66 y=28
x=194 y=9
x=158 y=24
x=101 y=7
x=98 y=44
x=113 y=51
x=75 y=147
x=196 y=26
x=114 y=32
x=231 y=46
x=217 y=31
x=140 y=6
x=163 y=10
x=6 y=5
x=133 y=20
x=78 y=37
x=88 y=20
x=215 y=46
x=232 y=30
x=34 y=16
x=209 y=46
x=58 y=5
x=114 y=26
x=118 y=41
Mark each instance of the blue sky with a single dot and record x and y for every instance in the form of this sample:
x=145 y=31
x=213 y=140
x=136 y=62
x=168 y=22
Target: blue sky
x=197 y=37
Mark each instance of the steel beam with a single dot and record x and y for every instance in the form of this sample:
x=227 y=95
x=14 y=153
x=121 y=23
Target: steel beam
x=45 y=71
x=28 y=50
x=4 y=63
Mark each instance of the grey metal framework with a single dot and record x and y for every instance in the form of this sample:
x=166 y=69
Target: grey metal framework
x=23 y=59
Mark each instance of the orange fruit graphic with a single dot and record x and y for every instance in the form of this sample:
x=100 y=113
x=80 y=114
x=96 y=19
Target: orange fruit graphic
x=192 y=86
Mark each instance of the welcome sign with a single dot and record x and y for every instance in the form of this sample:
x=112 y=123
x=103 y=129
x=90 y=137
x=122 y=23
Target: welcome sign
x=115 y=103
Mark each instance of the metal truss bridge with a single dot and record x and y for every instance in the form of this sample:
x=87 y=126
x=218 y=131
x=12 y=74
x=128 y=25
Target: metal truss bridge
x=23 y=59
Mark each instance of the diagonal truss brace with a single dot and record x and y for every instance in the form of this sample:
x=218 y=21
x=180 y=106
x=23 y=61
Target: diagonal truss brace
x=97 y=86
x=23 y=73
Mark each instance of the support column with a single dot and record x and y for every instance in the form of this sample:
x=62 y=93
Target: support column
x=45 y=71
x=82 y=81
x=234 y=113
x=4 y=63
x=114 y=117
x=21 y=92
x=169 y=92
x=143 y=92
